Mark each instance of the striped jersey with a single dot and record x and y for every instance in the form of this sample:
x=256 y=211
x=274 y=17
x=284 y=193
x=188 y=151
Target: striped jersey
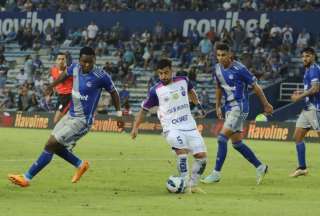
x=312 y=76
x=86 y=91
x=234 y=82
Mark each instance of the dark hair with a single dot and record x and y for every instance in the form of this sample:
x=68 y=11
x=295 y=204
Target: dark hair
x=87 y=51
x=164 y=63
x=223 y=46
x=309 y=50
x=61 y=53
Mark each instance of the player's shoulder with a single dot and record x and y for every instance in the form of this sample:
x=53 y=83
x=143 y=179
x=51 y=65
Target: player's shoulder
x=156 y=86
x=315 y=67
x=180 y=78
x=100 y=73
x=238 y=66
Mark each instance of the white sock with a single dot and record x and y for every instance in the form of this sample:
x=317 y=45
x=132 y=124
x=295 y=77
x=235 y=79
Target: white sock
x=182 y=165
x=198 y=167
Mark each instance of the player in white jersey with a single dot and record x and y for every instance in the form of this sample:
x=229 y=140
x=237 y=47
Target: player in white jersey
x=171 y=95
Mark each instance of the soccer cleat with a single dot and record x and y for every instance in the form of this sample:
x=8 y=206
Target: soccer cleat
x=18 y=180
x=212 y=178
x=80 y=171
x=299 y=172
x=261 y=172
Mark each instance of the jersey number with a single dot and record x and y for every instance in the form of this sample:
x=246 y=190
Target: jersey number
x=179 y=140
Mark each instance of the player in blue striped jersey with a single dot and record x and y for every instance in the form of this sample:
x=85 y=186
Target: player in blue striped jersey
x=232 y=81
x=309 y=118
x=88 y=82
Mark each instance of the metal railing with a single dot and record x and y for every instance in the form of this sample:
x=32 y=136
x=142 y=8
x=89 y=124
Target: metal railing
x=287 y=89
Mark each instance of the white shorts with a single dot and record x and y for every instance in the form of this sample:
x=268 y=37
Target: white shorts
x=235 y=120
x=309 y=119
x=68 y=130
x=191 y=140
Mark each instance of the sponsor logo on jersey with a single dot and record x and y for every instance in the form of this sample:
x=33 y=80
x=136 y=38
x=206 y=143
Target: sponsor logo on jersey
x=89 y=84
x=180 y=119
x=183 y=92
x=175 y=96
x=79 y=96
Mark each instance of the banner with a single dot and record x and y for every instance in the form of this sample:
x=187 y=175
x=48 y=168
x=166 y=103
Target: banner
x=139 y=21
x=275 y=131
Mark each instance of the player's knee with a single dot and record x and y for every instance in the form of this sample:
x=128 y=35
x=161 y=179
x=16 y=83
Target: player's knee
x=237 y=144
x=200 y=155
x=222 y=139
x=52 y=145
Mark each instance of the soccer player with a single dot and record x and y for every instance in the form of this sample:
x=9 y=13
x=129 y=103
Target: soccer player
x=63 y=89
x=88 y=82
x=171 y=95
x=232 y=82
x=309 y=118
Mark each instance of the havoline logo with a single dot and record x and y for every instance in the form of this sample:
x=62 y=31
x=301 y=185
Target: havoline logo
x=203 y=25
x=7 y=24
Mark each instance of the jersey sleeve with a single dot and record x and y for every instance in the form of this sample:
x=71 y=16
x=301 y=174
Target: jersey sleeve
x=189 y=84
x=107 y=82
x=151 y=101
x=246 y=76
x=70 y=69
x=314 y=75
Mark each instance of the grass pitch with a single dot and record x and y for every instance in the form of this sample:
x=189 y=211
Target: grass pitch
x=128 y=178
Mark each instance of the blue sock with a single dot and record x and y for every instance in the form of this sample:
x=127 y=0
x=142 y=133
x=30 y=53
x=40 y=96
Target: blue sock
x=301 y=152
x=69 y=156
x=222 y=151
x=37 y=166
x=247 y=153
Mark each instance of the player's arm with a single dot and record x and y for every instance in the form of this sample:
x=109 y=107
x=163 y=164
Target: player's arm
x=151 y=101
x=63 y=76
x=138 y=120
x=218 y=102
x=268 y=109
x=195 y=100
x=297 y=96
x=116 y=101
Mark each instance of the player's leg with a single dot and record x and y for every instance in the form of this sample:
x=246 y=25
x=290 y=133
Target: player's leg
x=43 y=160
x=299 y=135
x=246 y=152
x=303 y=125
x=223 y=138
x=199 y=151
x=67 y=132
x=178 y=143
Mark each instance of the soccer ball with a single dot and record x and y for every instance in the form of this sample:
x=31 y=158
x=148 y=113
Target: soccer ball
x=176 y=184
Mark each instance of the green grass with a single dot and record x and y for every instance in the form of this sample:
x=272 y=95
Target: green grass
x=128 y=178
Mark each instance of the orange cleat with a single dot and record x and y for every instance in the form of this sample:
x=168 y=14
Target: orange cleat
x=18 y=180
x=80 y=171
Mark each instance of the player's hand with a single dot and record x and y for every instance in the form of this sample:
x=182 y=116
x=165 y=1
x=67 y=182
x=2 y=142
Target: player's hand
x=268 y=109
x=295 y=97
x=134 y=132
x=219 y=113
